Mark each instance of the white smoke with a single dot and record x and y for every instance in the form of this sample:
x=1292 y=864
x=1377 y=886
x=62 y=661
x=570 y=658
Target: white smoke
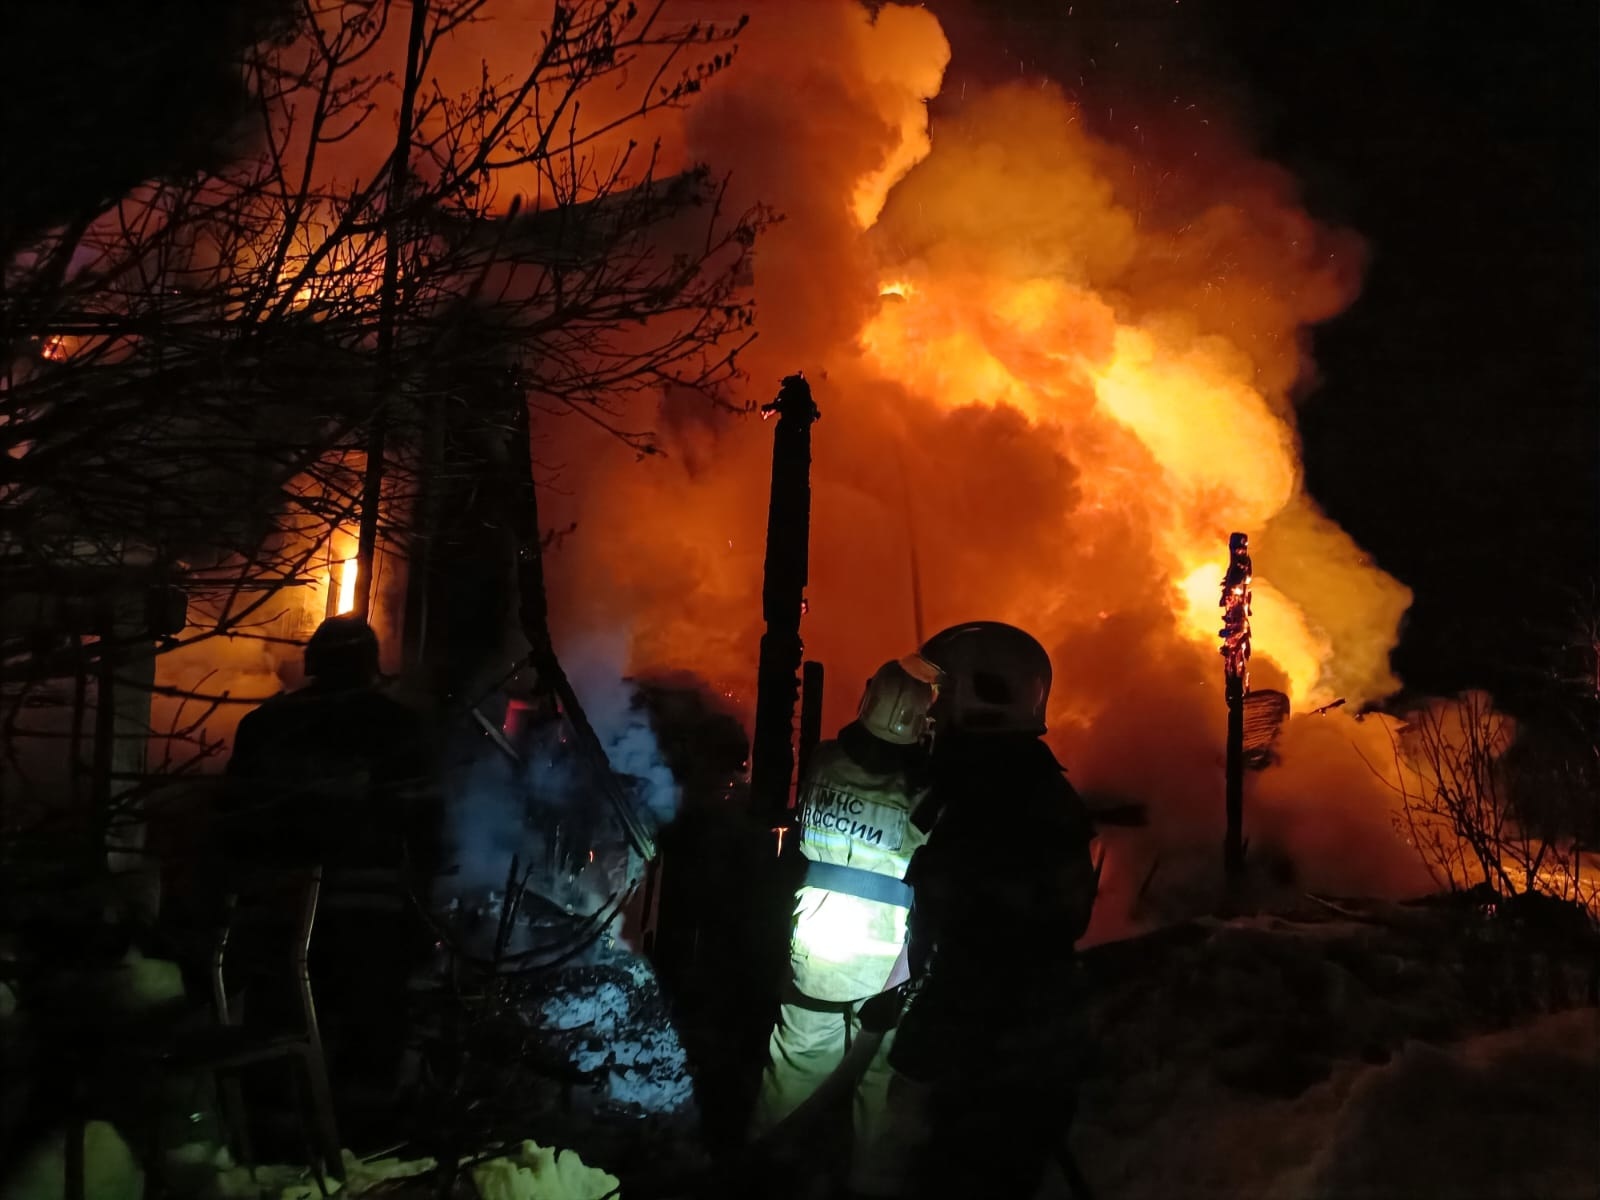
x=596 y=663
x=545 y=810
x=535 y=824
x=488 y=824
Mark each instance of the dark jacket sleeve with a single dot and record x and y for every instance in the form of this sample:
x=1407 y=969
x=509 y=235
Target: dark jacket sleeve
x=246 y=748
x=1074 y=883
x=244 y=804
x=1007 y=873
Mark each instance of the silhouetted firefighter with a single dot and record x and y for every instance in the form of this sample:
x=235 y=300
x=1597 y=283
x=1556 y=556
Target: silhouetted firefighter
x=783 y=599
x=340 y=775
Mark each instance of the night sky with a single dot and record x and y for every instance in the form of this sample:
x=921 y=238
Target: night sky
x=1459 y=426
x=1455 y=427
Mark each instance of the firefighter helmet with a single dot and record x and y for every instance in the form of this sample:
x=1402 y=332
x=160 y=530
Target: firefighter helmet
x=894 y=707
x=343 y=649
x=996 y=678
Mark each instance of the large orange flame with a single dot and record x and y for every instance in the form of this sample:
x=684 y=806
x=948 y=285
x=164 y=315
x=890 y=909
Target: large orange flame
x=1051 y=388
x=1064 y=399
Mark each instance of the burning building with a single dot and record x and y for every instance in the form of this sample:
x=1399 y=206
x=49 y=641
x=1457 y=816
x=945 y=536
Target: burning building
x=1058 y=352
x=1058 y=360
x=1059 y=355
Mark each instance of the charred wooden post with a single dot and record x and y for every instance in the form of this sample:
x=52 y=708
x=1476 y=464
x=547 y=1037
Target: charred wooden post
x=783 y=598
x=1235 y=635
x=810 y=713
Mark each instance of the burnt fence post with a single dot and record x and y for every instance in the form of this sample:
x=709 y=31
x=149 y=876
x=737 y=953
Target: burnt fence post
x=783 y=599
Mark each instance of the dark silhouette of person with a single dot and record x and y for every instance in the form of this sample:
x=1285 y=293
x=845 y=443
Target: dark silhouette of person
x=988 y=1048
x=336 y=772
x=339 y=774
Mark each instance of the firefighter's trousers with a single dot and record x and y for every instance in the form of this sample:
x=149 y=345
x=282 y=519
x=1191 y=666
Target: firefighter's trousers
x=807 y=1044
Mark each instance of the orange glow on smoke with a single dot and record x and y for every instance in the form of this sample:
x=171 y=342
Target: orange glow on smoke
x=1057 y=361
x=1057 y=364
x=1207 y=452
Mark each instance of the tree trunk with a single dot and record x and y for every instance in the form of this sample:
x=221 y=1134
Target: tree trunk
x=372 y=484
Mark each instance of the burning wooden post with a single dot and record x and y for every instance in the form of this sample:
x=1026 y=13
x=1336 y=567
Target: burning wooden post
x=783 y=598
x=1235 y=635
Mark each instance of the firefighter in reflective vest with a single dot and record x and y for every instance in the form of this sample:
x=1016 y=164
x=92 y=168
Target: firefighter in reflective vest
x=987 y=1051
x=855 y=804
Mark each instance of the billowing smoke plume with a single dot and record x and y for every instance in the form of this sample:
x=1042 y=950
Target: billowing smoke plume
x=1062 y=395
x=1052 y=385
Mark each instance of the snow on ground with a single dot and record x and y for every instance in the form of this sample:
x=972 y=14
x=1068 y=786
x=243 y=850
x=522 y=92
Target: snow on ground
x=1508 y=1115
x=1339 y=1060
x=609 y=1020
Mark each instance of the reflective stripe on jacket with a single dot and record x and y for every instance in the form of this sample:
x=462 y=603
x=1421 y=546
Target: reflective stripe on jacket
x=844 y=946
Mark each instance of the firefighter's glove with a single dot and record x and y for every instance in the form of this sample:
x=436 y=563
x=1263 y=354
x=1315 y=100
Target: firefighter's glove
x=882 y=1013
